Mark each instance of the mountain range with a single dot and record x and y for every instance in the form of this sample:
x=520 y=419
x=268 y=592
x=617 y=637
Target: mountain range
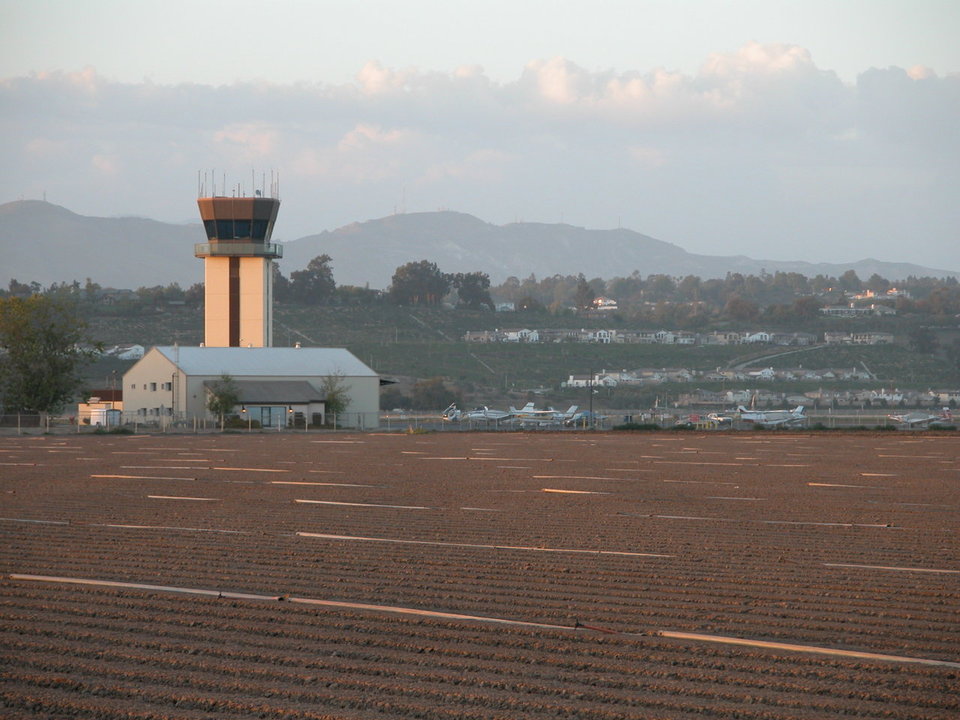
x=47 y=243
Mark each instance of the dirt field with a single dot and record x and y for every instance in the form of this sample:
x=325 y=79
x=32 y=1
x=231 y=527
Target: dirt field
x=669 y=575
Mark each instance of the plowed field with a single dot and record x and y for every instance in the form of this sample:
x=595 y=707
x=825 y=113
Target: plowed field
x=669 y=575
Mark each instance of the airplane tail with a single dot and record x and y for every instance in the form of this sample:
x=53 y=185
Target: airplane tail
x=451 y=413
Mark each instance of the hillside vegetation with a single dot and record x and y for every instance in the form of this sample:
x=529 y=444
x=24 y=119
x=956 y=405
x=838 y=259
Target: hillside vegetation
x=416 y=342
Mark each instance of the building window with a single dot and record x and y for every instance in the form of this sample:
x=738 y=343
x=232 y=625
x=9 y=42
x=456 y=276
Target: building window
x=153 y=386
x=167 y=386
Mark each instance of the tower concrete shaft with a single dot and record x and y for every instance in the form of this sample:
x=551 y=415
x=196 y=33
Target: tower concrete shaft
x=238 y=270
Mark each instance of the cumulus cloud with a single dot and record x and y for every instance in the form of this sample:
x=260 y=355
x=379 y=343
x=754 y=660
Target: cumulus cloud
x=741 y=156
x=251 y=142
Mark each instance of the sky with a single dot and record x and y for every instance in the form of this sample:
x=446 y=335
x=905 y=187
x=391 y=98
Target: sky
x=826 y=131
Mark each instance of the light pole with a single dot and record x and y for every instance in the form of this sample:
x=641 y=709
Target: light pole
x=590 y=390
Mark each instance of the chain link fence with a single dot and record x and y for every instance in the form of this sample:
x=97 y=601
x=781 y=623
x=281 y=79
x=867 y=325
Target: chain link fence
x=119 y=422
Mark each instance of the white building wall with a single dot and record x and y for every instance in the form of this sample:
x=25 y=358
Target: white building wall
x=149 y=386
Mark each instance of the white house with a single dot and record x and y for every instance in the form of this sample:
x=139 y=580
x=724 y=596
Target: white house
x=276 y=385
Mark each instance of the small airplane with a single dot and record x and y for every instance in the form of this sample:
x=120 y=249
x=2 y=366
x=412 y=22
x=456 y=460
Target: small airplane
x=484 y=414
x=774 y=418
x=529 y=414
x=922 y=419
x=720 y=420
x=710 y=420
x=480 y=414
x=451 y=414
x=584 y=418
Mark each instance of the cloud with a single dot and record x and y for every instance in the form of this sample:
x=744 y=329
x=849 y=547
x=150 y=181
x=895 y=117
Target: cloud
x=485 y=165
x=251 y=142
x=365 y=136
x=741 y=156
x=106 y=164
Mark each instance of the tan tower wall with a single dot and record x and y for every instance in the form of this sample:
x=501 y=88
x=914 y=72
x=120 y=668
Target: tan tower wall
x=216 y=313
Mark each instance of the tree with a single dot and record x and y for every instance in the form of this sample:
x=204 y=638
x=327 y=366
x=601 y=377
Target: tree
x=850 y=282
x=432 y=394
x=41 y=353
x=924 y=341
x=392 y=397
x=878 y=284
x=20 y=289
x=806 y=308
x=419 y=283
x=315 y=284
x=738 y=308
x=281 y=284
x=659 y=287
x=335 y=392
x=583 y=296
x=529 y=304
x=473 y=289
x=195 y=295
x=224 y=397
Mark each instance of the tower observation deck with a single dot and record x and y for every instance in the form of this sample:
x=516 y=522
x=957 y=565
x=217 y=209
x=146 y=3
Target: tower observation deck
x=238 y=267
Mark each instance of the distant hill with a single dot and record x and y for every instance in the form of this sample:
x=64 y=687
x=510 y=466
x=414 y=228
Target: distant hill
x=371 y=251
x=48 y=243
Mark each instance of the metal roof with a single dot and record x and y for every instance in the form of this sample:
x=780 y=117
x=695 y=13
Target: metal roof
x=259 y=362
x=281 y=392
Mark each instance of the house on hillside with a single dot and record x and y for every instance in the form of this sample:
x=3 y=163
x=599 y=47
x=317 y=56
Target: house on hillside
x=277 y=386
x=604 y=304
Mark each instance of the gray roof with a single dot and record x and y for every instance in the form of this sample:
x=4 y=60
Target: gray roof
x=272 y=361
x=283 y=392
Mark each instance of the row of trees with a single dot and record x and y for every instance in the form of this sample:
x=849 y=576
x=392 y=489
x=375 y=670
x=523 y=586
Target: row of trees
x=686 y=301
x=764 y=289
x=657 y=297
x=415 y=283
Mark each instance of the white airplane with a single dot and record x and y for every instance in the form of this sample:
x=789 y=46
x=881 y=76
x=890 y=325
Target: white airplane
x=480 y=414
x=774 y=418
x=720 y=420
x=583 y=418
x=451 y=414
x=922 y=419
x=710 y=420
x=529 y=414
x=485 y=414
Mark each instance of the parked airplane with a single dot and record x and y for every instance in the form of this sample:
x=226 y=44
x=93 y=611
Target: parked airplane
x=584 y=418
x=720 y=420
x=711 y=420
x=451 y=414
x=484 y=413
x=922 y=419
x=774 y=418
x=530 y=415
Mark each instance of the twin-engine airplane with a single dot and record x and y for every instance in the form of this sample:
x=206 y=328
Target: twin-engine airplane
x=774 y=418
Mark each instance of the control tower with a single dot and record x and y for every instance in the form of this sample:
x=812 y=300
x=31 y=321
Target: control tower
x=238 y=266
